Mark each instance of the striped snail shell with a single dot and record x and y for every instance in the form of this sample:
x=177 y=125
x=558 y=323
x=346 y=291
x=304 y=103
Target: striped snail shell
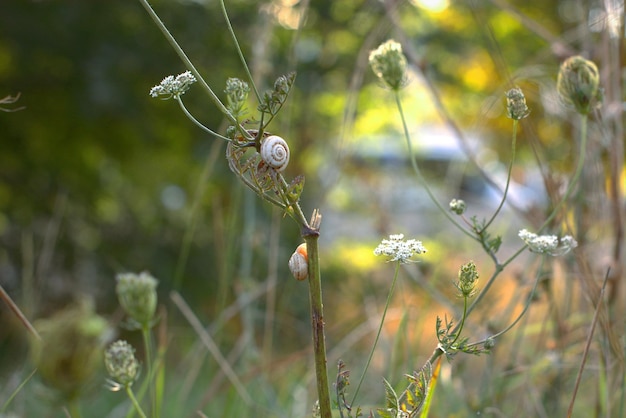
x=299 y=263
x=275 y=152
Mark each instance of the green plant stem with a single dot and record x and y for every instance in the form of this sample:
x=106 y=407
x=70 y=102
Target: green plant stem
x=181 y=54
x=317 y=324
x=239 y=52
x=73 y=409
x=145 y=331
x=521 y=315
x=197 y=122
x=380 y=328
x=131 y=396
x=508 y=177
x=419 y=175
x=579 y=168
x=462 y=323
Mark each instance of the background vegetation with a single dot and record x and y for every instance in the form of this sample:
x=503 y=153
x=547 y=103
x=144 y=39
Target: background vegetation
x=97 y=178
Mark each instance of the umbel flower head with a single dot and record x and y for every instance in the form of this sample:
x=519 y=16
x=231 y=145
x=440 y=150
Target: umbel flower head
x=578 y=84
x=547 y=244
x=173 y=87
x=389 y=64
x=396 y=249
x=121 y=363
x=516 y=108
x=137 y=295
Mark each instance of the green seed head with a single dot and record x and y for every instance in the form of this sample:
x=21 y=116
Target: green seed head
x=578 y=84
x=389 y=64
x=516 y=104
x=137 y=295
x=121 y=363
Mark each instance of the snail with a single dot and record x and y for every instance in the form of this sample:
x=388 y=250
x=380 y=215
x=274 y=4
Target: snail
x=275 y=152
x=299 y=263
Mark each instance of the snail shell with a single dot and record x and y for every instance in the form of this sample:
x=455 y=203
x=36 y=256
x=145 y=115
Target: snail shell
x=275 y=152
x=299 y=263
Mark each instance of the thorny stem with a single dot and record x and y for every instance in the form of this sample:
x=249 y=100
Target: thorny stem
x=380 y=327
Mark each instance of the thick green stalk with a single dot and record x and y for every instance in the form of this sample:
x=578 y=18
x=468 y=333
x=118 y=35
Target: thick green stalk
x=317 y=323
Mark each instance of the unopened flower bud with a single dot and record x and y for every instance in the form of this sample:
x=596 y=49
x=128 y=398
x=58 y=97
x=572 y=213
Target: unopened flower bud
x=578 y=84
x=389 y=64
x=137 y=295
x=121 y=363
x=458 y=206
x=489 y=343
x=468 y=278
x=516 y=108
x=236 y=95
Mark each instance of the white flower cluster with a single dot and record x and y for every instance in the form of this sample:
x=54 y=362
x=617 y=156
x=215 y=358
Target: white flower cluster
x=399 y=250
x=547 y=244
x=173 y=87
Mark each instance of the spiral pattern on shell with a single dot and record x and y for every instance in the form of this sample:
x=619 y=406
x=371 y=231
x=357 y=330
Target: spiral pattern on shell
x=299 y=263
x=275 y=152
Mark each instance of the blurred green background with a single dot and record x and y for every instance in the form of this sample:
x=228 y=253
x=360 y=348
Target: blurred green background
x=98 y=178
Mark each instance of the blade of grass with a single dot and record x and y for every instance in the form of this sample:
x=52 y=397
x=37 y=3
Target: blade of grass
x=208 y=342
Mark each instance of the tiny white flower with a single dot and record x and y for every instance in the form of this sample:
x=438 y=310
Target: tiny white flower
x=396 y=249
x=173 y=87
x=547 y=244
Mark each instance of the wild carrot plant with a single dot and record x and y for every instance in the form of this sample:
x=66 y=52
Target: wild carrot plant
x=258 y=155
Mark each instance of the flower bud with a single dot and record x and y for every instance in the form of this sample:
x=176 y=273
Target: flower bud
x=121 y=363
x=578 y=84
x=516 y=108
x=468 y=278
x=236 y=95
x=137 y=296
x=458 y=206
x=389 y=64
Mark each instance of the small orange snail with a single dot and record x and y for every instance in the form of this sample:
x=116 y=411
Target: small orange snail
x=275 y=152
x=299 y=263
